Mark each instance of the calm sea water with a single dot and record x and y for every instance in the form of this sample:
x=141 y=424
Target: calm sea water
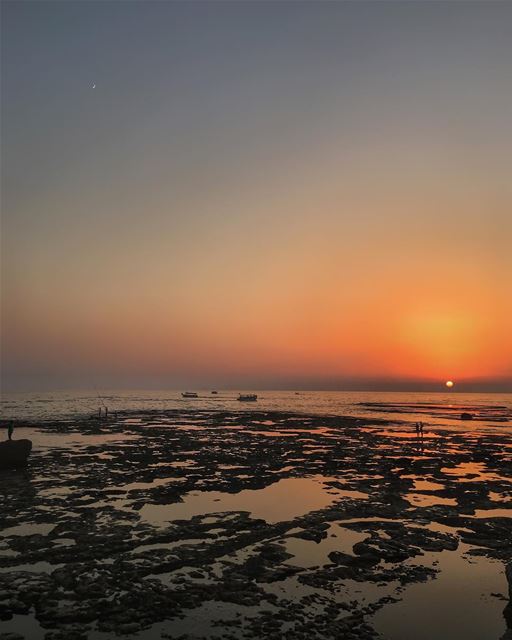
x=434 y=409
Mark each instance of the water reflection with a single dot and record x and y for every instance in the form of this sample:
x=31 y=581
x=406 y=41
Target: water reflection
x=283 y=500
x=457 y=604
x=307 y=553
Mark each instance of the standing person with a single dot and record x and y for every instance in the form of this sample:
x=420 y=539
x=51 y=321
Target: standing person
x=10 y=429
x=421 y=428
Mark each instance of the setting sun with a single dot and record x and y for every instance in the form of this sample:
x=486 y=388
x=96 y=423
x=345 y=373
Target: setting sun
x=449 y=384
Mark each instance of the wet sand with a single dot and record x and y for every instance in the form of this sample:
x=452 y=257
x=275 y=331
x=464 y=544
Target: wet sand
x=203 y=524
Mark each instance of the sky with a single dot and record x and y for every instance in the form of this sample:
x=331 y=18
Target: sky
x=256 y=194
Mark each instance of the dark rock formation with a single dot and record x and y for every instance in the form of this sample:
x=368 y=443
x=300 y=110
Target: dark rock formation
x=121 y=571
x=14 y=453
x=508 y=609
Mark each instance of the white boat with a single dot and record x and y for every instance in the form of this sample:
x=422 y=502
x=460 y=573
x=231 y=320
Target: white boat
x=189 y=394
x=247 y=397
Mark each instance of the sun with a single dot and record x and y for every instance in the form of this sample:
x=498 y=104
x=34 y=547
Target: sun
x=449 y=384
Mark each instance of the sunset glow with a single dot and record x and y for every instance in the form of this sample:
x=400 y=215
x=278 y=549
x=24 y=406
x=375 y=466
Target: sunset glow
x=291 y=209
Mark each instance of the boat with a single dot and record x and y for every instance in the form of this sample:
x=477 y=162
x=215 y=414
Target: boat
x=215 y=393
x=247 y=397
x=189 y=394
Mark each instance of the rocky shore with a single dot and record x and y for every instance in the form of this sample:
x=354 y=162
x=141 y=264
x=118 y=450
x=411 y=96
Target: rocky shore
x=119 y=527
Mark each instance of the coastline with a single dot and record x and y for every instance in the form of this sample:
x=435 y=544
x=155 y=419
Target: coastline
x=129 y=502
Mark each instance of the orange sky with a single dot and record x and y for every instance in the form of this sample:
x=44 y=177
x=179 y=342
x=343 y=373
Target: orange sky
x=241 y=204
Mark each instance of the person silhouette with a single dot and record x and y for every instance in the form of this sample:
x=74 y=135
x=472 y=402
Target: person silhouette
x=10 y=429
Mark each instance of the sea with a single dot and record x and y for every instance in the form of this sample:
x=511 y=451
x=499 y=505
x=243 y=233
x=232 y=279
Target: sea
x=437 y=410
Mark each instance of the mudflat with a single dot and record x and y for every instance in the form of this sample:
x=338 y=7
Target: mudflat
x=256 y=524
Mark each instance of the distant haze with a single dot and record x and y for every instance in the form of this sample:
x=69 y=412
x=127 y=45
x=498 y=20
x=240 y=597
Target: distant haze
x=256 y=195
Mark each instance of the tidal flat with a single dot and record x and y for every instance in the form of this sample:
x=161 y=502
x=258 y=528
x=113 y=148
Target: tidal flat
x=197 y=524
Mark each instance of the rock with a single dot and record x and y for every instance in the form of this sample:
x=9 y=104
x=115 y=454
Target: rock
x=508 y=609
x=361 y=560
x=71 y=633
x=129 y=627
x=14 y=453
x=64 y=578
x=315 y=535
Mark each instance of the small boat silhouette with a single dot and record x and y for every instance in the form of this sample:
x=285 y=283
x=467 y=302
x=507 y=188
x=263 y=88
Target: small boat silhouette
x=247 y=397
x=189 y=394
